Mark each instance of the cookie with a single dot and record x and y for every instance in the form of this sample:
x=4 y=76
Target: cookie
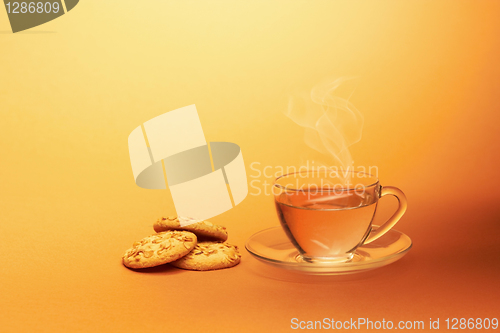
x=204 y=230
x=208 y=256
x=159 y=249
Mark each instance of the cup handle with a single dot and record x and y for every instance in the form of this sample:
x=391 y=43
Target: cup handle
x=403 y=204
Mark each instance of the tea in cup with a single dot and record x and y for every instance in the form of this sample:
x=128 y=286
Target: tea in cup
x=328 y=214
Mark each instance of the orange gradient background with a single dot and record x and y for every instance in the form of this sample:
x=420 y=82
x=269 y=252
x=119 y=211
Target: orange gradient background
x=73 y=89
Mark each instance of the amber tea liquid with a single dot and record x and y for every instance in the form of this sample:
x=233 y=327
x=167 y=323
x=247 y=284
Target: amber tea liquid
x=326 y=225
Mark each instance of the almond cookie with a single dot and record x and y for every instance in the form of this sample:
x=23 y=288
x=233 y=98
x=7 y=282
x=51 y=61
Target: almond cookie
x=204 y=230
x=159 y=249
x=207 y=256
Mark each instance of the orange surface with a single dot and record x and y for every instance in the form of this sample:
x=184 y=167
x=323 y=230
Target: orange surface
x=73 y=89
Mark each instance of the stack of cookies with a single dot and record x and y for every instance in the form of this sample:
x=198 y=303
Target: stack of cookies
x=199 y=246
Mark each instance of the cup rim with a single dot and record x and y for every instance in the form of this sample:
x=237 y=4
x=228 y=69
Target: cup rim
x=325 y=190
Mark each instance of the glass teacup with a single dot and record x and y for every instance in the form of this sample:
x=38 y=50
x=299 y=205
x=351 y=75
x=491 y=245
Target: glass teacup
x=328 y=214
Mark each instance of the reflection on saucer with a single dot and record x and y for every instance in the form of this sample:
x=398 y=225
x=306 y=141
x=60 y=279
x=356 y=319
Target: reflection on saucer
x=272 y=246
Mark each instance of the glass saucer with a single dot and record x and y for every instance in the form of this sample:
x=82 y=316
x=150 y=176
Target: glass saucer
x=273 y=247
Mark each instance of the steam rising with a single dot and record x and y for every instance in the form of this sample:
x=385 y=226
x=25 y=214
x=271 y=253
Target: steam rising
x=332 y=123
